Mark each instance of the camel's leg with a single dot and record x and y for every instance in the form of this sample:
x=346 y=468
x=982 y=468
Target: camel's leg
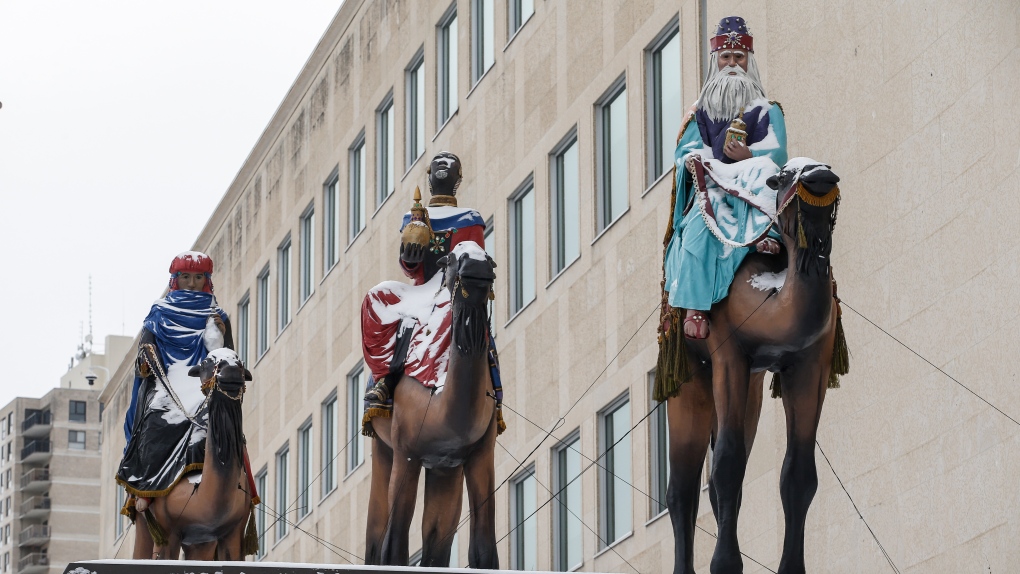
x=480 y=475
x=144 y=548
x=378 y=501
x=730 y=393
x=753 y=413
x=803 y=395
x=403 y=490
x=444 y=491
x=690 y=417
x=205 y=551
x=230 y=546
x=172 y=550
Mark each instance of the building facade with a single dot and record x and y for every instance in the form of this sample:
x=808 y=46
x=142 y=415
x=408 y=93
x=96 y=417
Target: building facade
x=49 y=469
x=564 y=114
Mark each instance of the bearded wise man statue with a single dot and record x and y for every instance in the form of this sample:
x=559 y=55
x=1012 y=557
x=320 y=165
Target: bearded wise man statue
x=731 y=140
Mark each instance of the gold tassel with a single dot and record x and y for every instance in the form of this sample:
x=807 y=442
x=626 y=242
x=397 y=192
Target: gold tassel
x=673 y=367
x=366 y=421
x=840 y=352
x=776 y=386
x=500 y=423
x=159 y=537
x=250 y=545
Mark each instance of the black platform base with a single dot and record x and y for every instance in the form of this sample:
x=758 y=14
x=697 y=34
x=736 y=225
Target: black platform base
x=193 y=567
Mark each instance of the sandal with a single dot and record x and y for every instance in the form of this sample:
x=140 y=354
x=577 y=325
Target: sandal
x=379 y=393
x=768 y=246
x=696 y=325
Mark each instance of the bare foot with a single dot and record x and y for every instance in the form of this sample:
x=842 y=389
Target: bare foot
x=768 y=246
x=696 y=324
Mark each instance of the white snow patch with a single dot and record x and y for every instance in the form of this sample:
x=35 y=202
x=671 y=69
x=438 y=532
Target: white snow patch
x=195 y=478
x=225 y=354
x=768 y=281
x=471 y=249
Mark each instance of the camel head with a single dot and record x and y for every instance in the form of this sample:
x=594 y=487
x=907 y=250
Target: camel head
x=223 y=375
x=468 y=274
x=807 y=204
x=223 y=370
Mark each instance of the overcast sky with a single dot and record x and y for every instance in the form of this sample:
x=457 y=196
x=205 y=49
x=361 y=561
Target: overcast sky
x=123 y=123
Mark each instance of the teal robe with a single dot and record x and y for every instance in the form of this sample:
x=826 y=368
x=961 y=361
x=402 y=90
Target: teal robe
x=699 y=267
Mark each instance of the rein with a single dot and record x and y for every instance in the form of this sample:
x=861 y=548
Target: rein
x=164 y=380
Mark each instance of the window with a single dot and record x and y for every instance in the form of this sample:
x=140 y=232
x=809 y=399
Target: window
x=520 y=11
x=76 y=440
x=482 y=53
x=262 y=329
x=260 y=512
x=567 y=506
x=307 y=253
x=658 y=458
x=283 y=280
x=118 y=518
x=522 y=245
x=524 y=536
x=242 y=328
x=384 y=151
x=282 y=490
x=615 y=472
x=76 y=411
x=331 y=222
x=304 y=470
x=566 y=219
x=329 y=451
x=446 y=81
x=356 y=197
x=415 y=143
x=355 y=412
x=664 y=106
x=415 y=559
x=611 y=124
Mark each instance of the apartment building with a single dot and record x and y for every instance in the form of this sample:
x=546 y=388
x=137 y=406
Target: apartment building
x=564 y=114
x=49 y=469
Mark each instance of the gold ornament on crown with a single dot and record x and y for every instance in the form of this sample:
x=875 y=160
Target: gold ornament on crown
x=418 y=231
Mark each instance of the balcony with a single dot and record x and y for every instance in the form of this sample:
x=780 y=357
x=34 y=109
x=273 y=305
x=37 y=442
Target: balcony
x=35 y=507
x=37 y=424
x=35 y=480
x=34 y=563
x=34 y=535
x=36 y=451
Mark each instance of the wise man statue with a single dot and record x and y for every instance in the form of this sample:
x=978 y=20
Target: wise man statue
x=400 y=341
x=731 y=140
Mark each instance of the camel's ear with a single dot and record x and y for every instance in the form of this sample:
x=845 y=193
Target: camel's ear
x=491 y=261
x=195 y=371
x=443 y=261
x=247 y=375
x=772 y=182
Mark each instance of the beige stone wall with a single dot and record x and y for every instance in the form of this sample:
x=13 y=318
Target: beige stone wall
x=909 y=101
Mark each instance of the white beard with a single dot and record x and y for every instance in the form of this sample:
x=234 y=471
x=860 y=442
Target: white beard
x=724 y=95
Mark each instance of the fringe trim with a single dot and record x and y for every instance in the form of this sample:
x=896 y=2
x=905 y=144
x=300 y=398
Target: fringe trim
x=250 y=543
x=165 y=491
x=776 y=386
x=159 y=536
x=500 y=423
x=371 y=413
x=129 y=508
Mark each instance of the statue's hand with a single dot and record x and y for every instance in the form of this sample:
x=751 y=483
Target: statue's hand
x=412 y=253
x=219 y=323
x=737 y=151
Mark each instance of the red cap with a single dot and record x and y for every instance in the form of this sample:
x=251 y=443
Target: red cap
x=192 y=262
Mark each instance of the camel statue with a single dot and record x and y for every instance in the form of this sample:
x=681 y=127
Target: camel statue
x=208 y=517
x=781 y=315
x=451 y=433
